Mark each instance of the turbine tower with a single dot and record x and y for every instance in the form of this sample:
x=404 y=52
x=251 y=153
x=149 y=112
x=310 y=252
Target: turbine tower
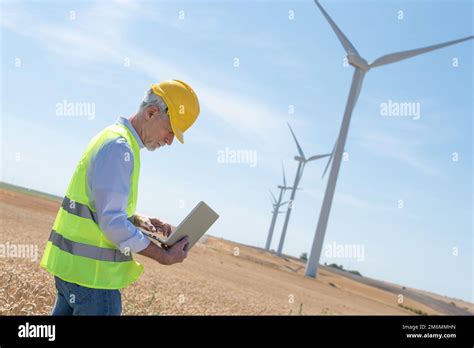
x=361 y=68
x=302 y=160
x=276 y=206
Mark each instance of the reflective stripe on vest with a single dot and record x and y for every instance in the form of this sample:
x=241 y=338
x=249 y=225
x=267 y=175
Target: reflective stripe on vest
x=79 y=209
x=85 y=250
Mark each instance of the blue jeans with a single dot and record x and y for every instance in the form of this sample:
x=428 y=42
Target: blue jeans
x=73 y=299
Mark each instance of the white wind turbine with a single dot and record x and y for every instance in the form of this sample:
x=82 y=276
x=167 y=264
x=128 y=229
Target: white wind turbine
x=361 y=67
x=276 y=206
x=299 y=173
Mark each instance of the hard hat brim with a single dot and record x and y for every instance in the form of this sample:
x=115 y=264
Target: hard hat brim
x=177 y=132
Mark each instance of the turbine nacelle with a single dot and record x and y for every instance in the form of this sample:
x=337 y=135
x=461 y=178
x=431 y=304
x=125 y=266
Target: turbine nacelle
x=358 y=62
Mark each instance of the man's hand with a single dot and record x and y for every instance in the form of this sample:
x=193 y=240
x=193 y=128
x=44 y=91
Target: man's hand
x=162 y=226
x=152 y=224
x=178 y=252
x=143 y=222
x=175 y=254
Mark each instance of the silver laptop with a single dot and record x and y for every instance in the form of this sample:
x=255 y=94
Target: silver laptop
x=198 y=221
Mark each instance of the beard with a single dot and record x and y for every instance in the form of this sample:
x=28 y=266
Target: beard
x=150 y=148
x=154 y=147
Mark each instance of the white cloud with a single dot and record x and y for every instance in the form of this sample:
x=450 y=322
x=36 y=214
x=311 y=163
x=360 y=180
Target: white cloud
x=405 y=151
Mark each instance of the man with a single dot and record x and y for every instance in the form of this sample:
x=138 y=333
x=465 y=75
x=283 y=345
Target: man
x=95 y=232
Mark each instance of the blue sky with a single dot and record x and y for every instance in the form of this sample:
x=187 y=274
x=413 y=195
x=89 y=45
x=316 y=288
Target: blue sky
x=108 y=53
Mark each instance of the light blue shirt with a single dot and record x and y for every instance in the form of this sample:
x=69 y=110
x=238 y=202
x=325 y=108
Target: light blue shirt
x=108 y=181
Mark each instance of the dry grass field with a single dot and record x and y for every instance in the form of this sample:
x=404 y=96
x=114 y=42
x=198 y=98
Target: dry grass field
x=218 y=277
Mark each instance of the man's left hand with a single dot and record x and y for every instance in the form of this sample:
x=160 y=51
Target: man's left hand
x=162 y=226
x=152 y=224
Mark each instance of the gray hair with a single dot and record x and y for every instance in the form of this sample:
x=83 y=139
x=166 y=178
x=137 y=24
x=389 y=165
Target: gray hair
x=152 y=99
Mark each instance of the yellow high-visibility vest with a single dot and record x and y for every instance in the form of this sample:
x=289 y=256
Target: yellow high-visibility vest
x=78 y=251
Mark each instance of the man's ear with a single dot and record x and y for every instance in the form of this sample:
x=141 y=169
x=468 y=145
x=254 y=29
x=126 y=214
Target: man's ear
x=150 y=111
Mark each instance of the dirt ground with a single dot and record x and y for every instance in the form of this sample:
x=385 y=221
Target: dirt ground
x=218 y=277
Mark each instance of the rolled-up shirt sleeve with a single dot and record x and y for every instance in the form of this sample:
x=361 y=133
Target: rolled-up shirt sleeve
x=109 y=178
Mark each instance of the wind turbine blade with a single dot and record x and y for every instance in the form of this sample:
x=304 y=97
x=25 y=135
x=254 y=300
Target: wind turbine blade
x=301 y=175
x=273 y=198
x=395 y=57
x=283 y=170
x=300 y=150
x=330 y=159
x=354 y=92
x=312 y=158
x=327 y=166
x=340 y=35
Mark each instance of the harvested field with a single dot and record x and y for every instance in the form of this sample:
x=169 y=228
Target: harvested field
x=218 y=277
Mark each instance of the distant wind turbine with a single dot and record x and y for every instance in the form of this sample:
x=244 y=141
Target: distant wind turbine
x=302 y=160
x=361 y=67
x=276 y=206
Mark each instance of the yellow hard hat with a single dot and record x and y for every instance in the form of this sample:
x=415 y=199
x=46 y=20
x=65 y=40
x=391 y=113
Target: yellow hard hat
x=182 y=102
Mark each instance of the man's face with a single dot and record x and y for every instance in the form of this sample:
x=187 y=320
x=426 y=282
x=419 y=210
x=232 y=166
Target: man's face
x=158 y=131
